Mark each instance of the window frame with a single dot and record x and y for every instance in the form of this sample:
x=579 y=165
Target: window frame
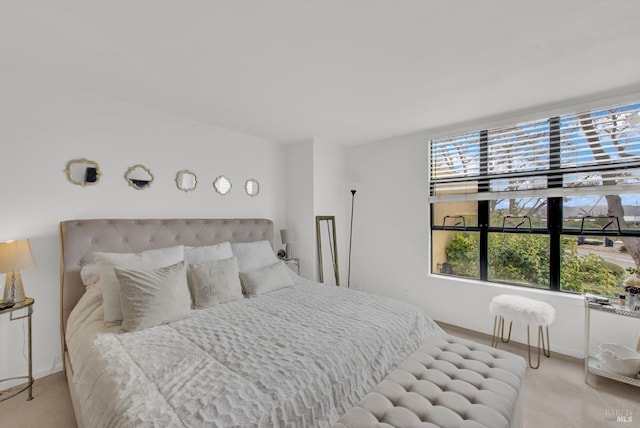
x=554 y=204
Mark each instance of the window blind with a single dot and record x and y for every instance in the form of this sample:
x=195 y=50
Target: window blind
x=595 y=152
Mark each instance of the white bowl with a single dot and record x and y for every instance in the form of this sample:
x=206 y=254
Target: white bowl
x=619 y=359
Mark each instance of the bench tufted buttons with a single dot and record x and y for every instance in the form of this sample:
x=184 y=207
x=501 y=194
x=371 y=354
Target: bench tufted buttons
x=447 y=394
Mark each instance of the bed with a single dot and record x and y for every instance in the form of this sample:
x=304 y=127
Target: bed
x=299 y=355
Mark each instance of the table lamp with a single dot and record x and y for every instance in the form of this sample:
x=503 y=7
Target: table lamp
x=288 y=237
x=15 y=255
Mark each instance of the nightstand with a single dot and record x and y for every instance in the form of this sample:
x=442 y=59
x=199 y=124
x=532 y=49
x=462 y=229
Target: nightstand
x=294 y=265
x=28 y=305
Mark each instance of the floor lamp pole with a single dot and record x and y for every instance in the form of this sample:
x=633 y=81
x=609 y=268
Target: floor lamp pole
x=353 y=196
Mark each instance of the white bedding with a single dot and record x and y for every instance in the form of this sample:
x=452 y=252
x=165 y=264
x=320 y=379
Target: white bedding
x=296 y=357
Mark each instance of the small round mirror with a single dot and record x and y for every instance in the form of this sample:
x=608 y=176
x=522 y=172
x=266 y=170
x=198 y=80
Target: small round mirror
x=252 y=187
x=83 y=172
x=139 y=177
x=186 y=180
x=222 y=185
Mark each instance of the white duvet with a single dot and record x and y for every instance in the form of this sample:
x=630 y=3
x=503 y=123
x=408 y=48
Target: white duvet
x=296 y=357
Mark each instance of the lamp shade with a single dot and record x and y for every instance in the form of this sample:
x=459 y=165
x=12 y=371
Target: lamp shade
x=15 y=255
x=288 y=236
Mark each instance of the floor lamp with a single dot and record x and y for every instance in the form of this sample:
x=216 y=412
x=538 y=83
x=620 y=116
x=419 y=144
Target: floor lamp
x=353 y=196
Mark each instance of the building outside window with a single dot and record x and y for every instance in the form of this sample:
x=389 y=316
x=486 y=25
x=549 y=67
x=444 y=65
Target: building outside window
x=551 y=204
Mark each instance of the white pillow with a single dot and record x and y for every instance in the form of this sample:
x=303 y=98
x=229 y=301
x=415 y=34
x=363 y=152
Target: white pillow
x=214 y=282
x=152 y=297
x=89 y=274
x=204 y=254
x=149 y=259
x=265 y=279
x=253 y=255
x=208 y=253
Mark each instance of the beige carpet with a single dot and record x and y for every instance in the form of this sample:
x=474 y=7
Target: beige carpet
x=555 y=396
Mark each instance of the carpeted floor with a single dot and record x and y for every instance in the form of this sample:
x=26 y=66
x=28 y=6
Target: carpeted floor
x=556 y=395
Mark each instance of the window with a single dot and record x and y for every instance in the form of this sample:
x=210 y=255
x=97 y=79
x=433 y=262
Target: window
x=549 y=204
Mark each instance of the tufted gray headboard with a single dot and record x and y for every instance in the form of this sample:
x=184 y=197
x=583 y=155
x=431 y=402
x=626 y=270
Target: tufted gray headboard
x=80 y=238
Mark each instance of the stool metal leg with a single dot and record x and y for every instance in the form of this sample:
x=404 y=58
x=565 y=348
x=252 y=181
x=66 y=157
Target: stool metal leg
x=498 y=331
x=546 y=350
x=502 y=333
x=529 y=347
x=494 y=336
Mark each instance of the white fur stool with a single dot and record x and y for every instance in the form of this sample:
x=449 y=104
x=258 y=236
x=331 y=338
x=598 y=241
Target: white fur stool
x=528 y=311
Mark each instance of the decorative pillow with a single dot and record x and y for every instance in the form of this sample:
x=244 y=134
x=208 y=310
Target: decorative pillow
x=204 y=254
x=208 y=253
x=214 y=282
x=149 y=259
x=253 y=255
x=152 y=297
x=89 y=274
x=265 y=279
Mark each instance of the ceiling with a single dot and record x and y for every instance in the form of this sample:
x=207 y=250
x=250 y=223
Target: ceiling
x=342 y=71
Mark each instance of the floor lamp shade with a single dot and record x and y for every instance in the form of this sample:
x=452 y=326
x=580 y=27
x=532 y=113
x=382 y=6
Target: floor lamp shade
x=288 y=237
x=15 y=255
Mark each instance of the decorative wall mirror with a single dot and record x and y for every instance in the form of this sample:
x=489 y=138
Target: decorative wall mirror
x=327 y=249
x=222 y=185
x=139 y=177
x=83 y=172
x=186 y=180
x=252 y=187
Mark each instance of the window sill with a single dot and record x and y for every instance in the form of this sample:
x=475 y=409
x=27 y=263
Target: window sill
x=578 y=299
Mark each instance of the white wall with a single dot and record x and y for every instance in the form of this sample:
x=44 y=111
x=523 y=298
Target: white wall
x=44 y=126
x=299 y=206
x=391 y=247
x=316 y=177
x=329 y=196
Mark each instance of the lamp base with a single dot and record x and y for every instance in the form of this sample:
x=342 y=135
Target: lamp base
x=13 y=288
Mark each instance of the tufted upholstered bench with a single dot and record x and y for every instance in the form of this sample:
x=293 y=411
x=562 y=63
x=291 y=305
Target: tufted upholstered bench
x=448 y=382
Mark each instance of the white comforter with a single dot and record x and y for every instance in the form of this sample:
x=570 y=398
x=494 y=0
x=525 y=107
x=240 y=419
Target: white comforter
x=295 y=357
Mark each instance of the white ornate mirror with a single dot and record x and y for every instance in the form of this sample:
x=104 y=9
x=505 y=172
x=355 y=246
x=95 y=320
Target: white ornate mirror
x=222 y=185
x=139 y=177
x=83 y=172
x=252 y=187
x=186 y=180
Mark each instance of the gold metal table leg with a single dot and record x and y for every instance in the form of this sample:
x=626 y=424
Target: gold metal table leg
x=30 y=357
